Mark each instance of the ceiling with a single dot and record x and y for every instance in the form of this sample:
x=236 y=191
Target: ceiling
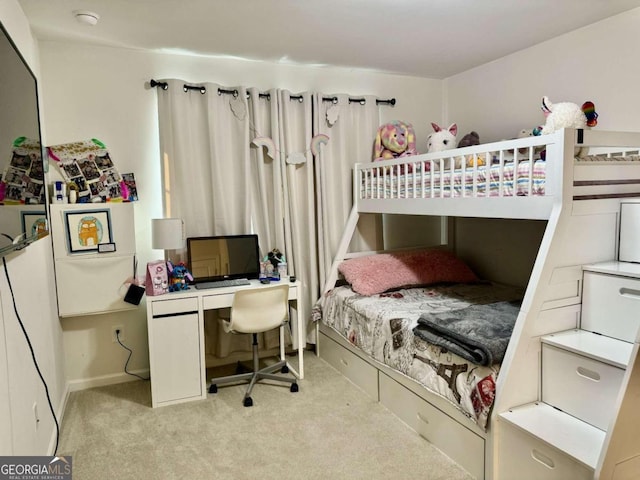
x=425 y=38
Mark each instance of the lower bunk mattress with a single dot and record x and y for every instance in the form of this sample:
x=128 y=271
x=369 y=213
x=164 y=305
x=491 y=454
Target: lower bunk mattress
x=448 y=338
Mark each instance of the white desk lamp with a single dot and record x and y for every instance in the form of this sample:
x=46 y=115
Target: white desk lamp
x=167 y=233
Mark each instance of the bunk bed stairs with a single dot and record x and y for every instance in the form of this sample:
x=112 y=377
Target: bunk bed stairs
x=584 y=376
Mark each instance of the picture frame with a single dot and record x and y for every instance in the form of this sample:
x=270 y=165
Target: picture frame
x=34 y=223
x=87 y=229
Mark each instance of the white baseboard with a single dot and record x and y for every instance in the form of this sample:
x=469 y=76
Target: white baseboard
x=101 y=381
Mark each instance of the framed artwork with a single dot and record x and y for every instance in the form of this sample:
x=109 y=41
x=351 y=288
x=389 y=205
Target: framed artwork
x=87 y=229
x=34 y=223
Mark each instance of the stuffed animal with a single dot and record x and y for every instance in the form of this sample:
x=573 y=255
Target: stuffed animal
x=178 y=276
x=442 y=139
x=469 y=140
x=568 y=115
x=530 y=132
x=394 y=139
x=275 y=257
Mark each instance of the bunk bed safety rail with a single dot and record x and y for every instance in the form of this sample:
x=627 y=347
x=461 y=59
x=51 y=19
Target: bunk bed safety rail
x=508 y=168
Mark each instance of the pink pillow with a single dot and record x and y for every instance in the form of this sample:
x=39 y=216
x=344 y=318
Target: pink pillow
x=378 y=273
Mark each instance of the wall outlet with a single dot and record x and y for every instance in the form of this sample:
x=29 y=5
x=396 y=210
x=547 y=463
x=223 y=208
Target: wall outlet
x=36 y=418
x=114 y=335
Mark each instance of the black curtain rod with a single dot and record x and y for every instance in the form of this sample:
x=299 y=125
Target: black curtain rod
x=361 y=101
x=203 y=90
x=235 y=93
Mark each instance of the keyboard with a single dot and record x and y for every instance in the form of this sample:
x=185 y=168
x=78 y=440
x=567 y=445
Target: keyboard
x=236 y=282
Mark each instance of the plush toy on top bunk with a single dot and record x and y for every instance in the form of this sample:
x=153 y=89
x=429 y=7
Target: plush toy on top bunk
x=393 y=140
x=441 y=140
x=530 y=132
x=568 y=115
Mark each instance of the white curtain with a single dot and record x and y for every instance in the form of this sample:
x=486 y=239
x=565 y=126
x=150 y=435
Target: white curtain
x=351 y=127
x=301 y=234
x=244 y=162
x=208 y=176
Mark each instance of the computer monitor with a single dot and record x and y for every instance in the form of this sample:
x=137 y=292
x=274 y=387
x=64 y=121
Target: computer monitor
x=223 y=257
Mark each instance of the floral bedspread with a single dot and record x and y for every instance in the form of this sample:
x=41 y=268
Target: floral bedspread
x=382 y=327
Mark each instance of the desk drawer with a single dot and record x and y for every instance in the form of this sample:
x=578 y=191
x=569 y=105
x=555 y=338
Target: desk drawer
x=176 y=306
x=211 y=302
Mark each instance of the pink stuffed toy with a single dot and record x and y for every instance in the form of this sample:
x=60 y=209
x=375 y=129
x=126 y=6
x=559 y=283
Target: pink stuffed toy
x=394 y=139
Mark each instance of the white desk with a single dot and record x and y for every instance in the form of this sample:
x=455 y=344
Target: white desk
x=175 y=324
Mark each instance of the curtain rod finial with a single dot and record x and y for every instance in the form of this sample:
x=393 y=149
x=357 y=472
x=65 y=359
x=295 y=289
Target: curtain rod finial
x=163 y=85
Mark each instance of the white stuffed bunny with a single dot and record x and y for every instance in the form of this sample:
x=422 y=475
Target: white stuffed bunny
x=442 y=139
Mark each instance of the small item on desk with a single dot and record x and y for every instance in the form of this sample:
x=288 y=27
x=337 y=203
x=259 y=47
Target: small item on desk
x=292 y=278
x=273 y=261
x=282 y=269
x=157 y=280
x=263 y=270
x=265 y=281
x=271 y=273
x=178 y=276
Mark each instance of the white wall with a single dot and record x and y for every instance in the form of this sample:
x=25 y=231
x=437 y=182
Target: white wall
x=598 y=63
x=103 y=92
x=32 y=280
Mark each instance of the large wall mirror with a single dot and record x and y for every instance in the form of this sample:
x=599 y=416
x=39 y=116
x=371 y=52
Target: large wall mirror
x=23 y=190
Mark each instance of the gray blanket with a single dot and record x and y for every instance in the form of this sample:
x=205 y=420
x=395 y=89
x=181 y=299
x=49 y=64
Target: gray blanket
x=479 y=333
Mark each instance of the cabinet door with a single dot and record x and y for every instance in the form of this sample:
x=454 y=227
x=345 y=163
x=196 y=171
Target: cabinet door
x=175 y=363
x=92 y=285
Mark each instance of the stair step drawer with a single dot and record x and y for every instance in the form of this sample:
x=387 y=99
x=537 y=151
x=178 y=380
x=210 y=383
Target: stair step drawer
x=610 y=305
x=580 y=386
x=350 y=365
x=524 y=457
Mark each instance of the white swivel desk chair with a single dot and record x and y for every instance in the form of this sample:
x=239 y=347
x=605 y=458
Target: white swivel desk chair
x=257 y=310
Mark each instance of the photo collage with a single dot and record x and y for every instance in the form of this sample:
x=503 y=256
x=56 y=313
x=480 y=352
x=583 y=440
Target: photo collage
x=23 y=178
x=88 y=166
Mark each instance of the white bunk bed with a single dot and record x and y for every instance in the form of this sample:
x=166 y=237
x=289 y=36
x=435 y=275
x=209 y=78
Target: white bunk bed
x=579 y=201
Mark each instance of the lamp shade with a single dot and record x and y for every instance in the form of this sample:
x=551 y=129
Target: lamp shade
x=167 y=233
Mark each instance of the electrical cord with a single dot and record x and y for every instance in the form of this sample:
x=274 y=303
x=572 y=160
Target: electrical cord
x=33 y=355
x=128 y=358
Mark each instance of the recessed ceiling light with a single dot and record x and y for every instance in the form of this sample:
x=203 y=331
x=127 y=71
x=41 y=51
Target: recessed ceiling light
x=86 y=17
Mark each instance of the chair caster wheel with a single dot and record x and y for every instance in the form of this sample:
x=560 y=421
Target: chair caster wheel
x=284 y=369
x=294 y=387
x=248 y=402
x=213 y=388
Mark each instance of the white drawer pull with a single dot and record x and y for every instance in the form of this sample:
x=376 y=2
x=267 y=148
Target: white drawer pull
x=542 y=458
x=344 y=362
x=630 y=293
x=586 y=373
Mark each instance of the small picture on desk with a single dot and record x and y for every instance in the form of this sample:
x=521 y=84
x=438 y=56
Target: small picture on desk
x=87 y=229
